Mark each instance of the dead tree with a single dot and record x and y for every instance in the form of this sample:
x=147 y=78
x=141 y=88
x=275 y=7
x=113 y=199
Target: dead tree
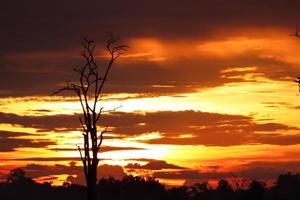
x=89 y=88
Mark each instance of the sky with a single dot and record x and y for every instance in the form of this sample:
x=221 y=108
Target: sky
x=205 y=91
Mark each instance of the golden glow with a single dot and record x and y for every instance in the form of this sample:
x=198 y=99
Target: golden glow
x=59 y=179
x=171 y=182
x=233 y=46
x=16 y=128
x=275 y=47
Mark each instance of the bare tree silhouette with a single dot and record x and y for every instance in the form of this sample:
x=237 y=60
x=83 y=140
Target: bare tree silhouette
x=89 y=89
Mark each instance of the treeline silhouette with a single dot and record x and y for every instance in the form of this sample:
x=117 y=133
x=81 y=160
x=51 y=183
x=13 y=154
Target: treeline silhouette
x=18 y=186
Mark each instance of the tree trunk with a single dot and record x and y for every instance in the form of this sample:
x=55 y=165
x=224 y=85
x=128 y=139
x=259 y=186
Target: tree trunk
x=92 y=184
x=92 y=192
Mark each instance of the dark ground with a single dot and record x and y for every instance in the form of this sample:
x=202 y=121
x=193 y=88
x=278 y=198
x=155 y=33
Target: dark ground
x=18 y=187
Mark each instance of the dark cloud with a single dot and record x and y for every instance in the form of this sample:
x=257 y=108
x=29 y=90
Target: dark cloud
x=286 y=166
x=53 y=29
x=38 y=76
x=102 y=149
x=10 y=141
x=264 y=171
x=41 y=159
x=154 y=165
x=191 y=174
x=202 y=128
x=229 y=138
x=46 y=159
x=74 y=171
x=11 y=144
x=42 y=123
x=22 y=77
x=41 y=110
x=57 y=25
x=9 y=134
x=278 y=104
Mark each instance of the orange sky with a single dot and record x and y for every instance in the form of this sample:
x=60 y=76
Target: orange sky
x=193 y=105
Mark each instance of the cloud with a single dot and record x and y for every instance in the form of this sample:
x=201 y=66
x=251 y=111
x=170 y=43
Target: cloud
x=21 y=77
x=10 y=141
x=41 y=59
x=195 y=128
x=178 y=74
x=154 y=165
x=74 y=171
x=102 y=149
x=261 y=171
x=45 y=159
x=191 y=175
x=269 y=169
x=42 y=123
x=65 y=23
x=201 y=128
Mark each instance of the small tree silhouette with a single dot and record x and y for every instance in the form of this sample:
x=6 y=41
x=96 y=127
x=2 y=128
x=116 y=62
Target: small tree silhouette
x=89 y=89
x=16 y=175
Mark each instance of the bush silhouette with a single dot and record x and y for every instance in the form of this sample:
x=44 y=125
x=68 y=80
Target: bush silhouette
x=18 y=187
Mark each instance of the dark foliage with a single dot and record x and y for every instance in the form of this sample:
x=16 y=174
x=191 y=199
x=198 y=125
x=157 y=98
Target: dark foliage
x=18 y=186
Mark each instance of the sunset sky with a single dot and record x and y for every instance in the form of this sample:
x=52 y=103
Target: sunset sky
x=205 y=91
